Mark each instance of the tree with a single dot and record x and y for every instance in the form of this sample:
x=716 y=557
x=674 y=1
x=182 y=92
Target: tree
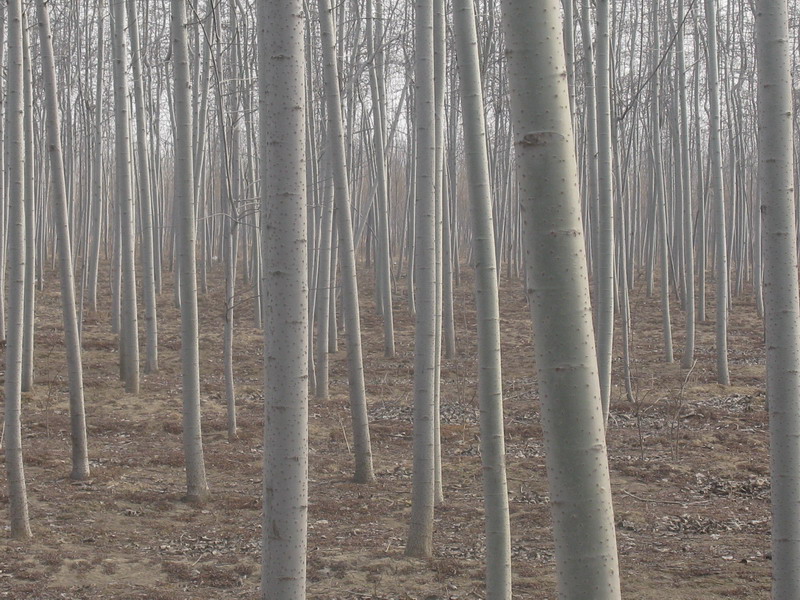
x=420 y=533
x=495 y=489
x=720 y=244
x=72 y=342
x=347 y=259
x=196 y=484
x=15 y=164
x=148 y=261
x=283 y=227
x=686 y=193
x=605 y=214
x=557 y=285
x=781 y=296
x=129 y=329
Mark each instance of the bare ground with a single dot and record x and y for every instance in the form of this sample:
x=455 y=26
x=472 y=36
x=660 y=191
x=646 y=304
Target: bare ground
x=688 y=460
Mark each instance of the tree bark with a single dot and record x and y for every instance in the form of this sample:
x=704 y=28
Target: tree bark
x=72 y=342
x=15 y=165
x=196 y=484
x=781 y=296
x=557 y=284
x=283 y=150
x=490 y=384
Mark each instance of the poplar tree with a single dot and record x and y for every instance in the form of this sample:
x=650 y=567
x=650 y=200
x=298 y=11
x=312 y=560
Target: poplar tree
x=196 y=484
x=558 y=289
x=283 y=229
x=129 y=328
x=420 y=533
x=72 y=342
x=15 y=165
x=781 y=296
x=490 y=385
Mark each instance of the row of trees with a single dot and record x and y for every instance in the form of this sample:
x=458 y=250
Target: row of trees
x=286 y=140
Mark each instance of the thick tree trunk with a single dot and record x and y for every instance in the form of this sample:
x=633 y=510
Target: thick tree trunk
x=577 y=464
x=781 y=296
x=283 y=150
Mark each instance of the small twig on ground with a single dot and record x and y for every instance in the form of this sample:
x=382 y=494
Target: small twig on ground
x=652 y=501
x=344 y=433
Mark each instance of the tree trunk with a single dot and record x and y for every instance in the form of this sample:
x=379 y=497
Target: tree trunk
x=72 y=342
x=148 y=278
x=196 y=484
x=720 y=245
x=355 y=366
x=15 y=165
x=420 y=534
x=604 y=256
x=282 y=100
x=129 y=334
x=572 y=421
x=490 y=385
x=781 y=297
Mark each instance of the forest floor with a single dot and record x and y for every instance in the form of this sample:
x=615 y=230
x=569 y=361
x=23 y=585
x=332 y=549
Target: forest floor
x=688 y=458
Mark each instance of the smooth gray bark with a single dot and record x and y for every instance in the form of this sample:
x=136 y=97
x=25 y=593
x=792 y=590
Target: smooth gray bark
x=420 y=534
x=604 y=256
x=383 y=263
x=687 y=360
x=72 y=342
x=148 y=264
x=129 y=329
x=97 y=174
x=490 y=385
x=30 y=235
x=355 y=368
x=558 y=289
x=15 y=166
x=283 y=150
x=660 y=194
x=781 y=296
x=720 y=244
x=196 y=484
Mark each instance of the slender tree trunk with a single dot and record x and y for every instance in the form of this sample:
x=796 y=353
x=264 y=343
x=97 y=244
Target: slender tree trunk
x=720 y=245
x=420 y=534
x=490 y=385
x=686 y=192
x=383 y=260
x=781 y=297
x=355 y=366
x=129 y=334
x=148 y=265
x=605 y=215
x=15 y=165
x=282 y=100
x=660 y=195
x=72 y=342
x=324 y=280
x=30 y=236
x=577 y=464
x=97 y=173
x=196 y=484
